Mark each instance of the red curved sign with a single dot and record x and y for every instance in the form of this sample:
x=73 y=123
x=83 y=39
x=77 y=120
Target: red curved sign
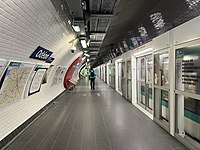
x=70 y=72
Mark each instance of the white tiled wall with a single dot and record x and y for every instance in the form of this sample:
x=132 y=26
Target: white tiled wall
x=25 y=25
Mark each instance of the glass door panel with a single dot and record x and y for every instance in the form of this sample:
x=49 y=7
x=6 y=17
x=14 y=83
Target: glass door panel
x=149 y=69
x=123 y=79
x=129 y=81
x=164 y=61
x=144 y=79
x=112 y=75
x=129 y=90
x=162 y=105
x=129 y=73
x=161 y=90
x=188 y=94
x=141 y=94
x=119 y=76
x=142 y=72
x=106 y=73
x=188 y=117
x=149 y=97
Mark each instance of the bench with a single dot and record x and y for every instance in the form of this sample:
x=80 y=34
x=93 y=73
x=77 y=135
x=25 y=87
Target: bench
x=72 y=84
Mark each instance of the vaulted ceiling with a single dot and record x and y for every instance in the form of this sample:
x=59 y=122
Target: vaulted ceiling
x=105 y=23
x=95 y=16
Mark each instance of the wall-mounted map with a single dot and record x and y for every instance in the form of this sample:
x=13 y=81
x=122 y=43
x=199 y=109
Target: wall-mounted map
x=14 y=82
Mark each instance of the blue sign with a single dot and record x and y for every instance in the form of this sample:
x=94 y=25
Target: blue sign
x=41 y=54
x=50 y=60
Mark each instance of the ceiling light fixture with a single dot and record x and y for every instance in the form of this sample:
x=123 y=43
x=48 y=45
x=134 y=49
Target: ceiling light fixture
x=88 y=43
x=69 y=22
x=84 y=5
x=76 y=28
x=83 y=43
x=87 y=55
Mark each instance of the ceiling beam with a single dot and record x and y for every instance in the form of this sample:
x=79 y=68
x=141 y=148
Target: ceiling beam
x=94 y=48
x=97 y=41
x=93 y=52
x=105 y=16
x=92 y=57
x=97 y=33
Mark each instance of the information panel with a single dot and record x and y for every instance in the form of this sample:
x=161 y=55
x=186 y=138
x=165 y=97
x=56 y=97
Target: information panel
x=37 y=80
x=14 y=82
x=188 y=69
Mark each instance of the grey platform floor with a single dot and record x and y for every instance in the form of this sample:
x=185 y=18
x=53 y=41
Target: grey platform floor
x=94 y=120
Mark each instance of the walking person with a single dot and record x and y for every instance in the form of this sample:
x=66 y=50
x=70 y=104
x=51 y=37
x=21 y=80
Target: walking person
x=92 y=77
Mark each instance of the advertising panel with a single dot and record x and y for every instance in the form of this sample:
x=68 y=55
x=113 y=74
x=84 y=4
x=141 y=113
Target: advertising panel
x=59 y=75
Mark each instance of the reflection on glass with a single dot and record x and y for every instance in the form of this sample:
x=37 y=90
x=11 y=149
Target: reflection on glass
x=138 y=69
x=129 y=89
x=119 y=79
x=161 y=105
x=142 y=73
x=141 y=94
x=112 y=75
x=188 y=117
x=161 y=71
x=129 y=82
x=164 y=62
x=149 y=68
x=144 y=78
x=188 y=69
x=110 y=69
x=156 y=69
x=129 y=69
x=123 y=70
x=106 y=73
x=149 y=97
x=165 y=105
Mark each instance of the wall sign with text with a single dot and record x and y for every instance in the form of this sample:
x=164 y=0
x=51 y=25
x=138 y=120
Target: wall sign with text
x=41 y=54
x=188 y=69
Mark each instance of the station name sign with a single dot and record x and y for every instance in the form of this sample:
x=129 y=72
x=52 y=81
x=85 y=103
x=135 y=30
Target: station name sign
x=49 y=60
x=41 y=54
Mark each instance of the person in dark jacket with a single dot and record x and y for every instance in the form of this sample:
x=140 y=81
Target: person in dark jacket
x=92 y=79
